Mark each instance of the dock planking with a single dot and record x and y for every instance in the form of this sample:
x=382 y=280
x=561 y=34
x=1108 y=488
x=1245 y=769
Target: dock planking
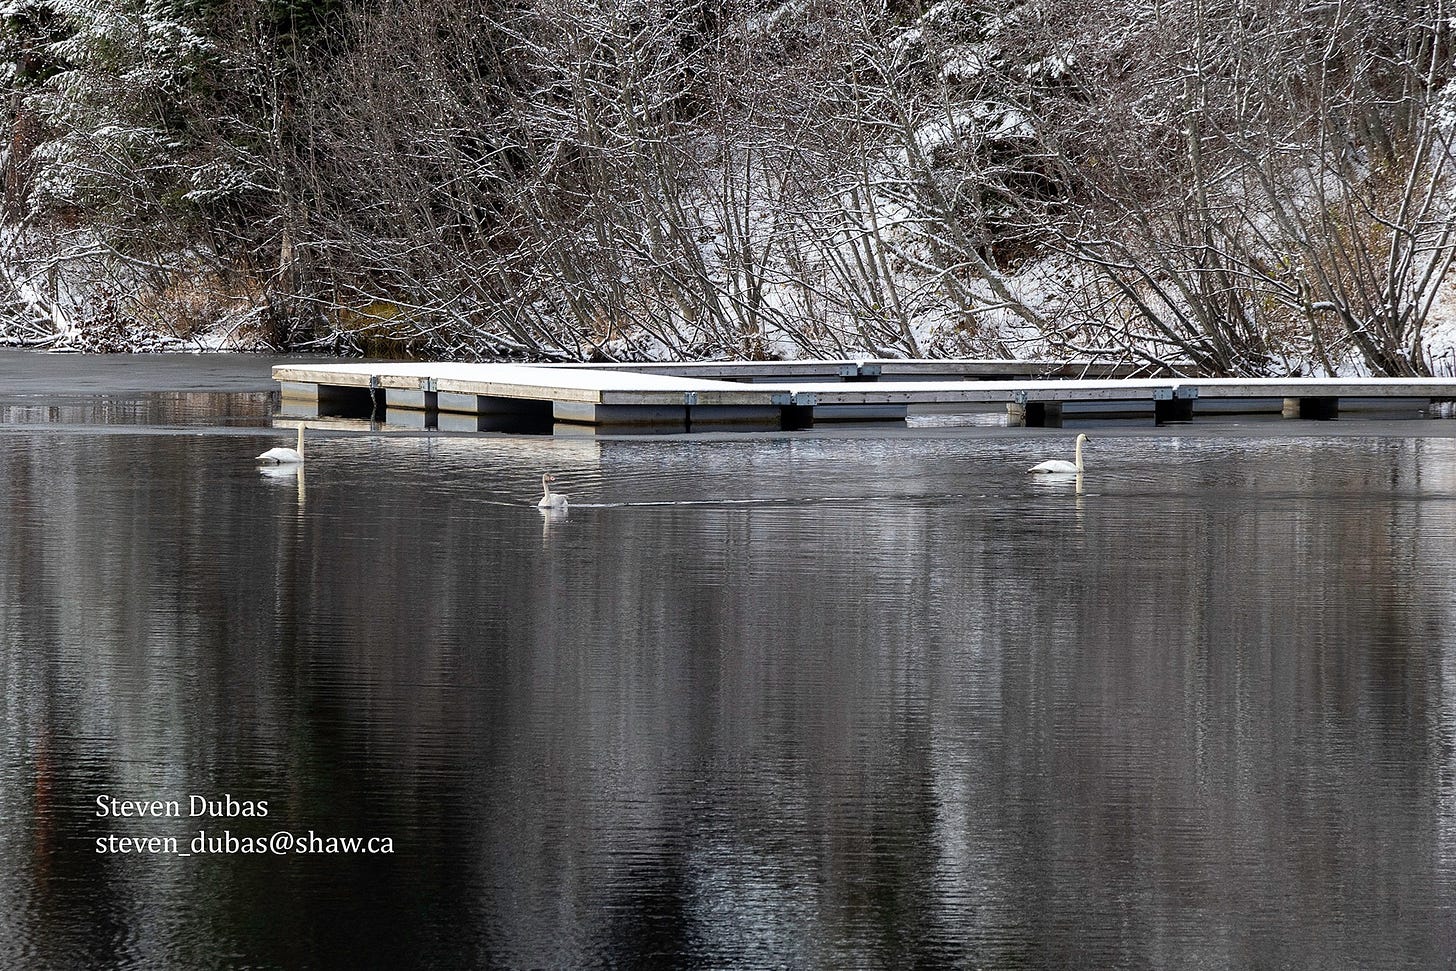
x=882 y=369
x=789 y=395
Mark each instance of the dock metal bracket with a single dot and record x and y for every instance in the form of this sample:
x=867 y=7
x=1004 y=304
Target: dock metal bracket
x=848 y=370
x=870 y=370
x=428 y=385
x=1173 y=404
x=1019 y=397
x=690 y=398
x=805 y=398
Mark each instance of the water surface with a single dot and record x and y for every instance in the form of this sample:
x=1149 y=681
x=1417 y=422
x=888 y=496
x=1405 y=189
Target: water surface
x=817 y=700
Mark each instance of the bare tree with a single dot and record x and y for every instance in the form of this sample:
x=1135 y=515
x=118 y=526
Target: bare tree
x=1259 y=183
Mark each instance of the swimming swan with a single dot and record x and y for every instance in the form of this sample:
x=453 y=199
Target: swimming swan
x=549 y=499
x=1062 y=465
x=285 y=456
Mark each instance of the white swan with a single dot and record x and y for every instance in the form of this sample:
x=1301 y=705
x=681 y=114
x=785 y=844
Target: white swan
x=285 y=456
x=1062 y=465
x=549 y=499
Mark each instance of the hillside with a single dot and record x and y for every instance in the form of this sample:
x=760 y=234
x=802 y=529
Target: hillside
x=1255 y=188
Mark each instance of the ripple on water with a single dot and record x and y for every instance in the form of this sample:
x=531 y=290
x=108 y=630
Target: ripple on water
x=820 y=701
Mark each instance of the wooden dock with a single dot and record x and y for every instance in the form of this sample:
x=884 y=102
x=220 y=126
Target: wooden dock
x=796 y=394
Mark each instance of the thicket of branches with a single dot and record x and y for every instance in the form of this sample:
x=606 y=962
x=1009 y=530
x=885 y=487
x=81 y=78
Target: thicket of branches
x=1250 y=186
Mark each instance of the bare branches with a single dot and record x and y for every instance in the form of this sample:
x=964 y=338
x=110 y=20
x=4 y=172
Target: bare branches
x=1245 y=187
x=1308 y=206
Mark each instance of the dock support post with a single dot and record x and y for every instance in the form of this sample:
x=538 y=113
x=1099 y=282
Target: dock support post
x=1035 y=414
x=1312 y=409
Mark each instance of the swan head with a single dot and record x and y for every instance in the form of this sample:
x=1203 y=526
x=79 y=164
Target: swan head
x=547 y=478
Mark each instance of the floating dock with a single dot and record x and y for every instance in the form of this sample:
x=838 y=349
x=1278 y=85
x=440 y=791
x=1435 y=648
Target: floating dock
x=796 y=394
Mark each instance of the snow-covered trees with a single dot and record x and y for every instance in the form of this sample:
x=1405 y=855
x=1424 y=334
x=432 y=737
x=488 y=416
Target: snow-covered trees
x=1259 y=185
x=147 y=167
x=118 y=146
x=1243 y=185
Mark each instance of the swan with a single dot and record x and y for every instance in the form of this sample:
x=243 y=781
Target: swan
x=285 y=456
x=549 y=499
x=1062 y=465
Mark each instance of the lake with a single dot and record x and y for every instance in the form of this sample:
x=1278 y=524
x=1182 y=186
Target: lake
x=833 y=698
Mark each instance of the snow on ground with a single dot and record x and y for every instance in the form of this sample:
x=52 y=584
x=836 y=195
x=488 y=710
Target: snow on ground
x=855 y=272
x=1440 y=331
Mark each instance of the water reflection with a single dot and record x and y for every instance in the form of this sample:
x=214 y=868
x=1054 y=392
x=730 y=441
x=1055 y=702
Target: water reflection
x=172 y=408
x=787 y=701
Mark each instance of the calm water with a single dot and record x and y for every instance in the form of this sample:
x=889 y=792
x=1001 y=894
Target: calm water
x=805 y=701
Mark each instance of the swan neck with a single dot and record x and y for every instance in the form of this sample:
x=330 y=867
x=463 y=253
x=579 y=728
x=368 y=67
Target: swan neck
x=1079 y=453
x=300 y=441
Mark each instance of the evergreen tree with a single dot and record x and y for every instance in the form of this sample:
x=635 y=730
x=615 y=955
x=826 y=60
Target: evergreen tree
x=119 y=154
